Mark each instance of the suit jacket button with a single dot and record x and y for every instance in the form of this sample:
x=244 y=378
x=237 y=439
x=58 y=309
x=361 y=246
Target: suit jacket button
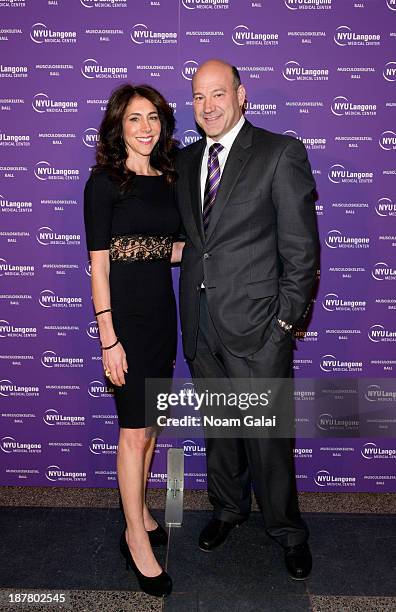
x=206 y=256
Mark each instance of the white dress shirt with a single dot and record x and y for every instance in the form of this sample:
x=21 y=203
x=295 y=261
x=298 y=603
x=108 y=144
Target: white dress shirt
x=227 y=141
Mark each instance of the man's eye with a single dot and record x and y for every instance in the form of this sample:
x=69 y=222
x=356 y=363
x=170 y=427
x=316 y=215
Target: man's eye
x=198 y=99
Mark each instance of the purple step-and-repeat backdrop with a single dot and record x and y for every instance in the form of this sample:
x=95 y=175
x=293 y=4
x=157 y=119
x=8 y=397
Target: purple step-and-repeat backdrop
x=323 y=71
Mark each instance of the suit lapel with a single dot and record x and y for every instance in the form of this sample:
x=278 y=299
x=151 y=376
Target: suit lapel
x=195 y=186
x=237 y=159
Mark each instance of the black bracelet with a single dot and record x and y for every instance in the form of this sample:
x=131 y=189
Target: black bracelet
x=102 y=311
x=106 y=348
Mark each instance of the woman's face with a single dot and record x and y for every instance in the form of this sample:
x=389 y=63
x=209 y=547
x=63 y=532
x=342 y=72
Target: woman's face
x=141 y=127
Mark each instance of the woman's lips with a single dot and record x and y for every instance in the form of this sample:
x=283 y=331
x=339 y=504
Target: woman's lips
x=144 y=139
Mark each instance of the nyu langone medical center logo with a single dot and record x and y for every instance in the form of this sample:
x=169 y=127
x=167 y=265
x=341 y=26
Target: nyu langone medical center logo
x=49 y=359
x=389 y=72
x=189 y=136
x=370 y=450
x=13 y=3
x=385 y=208
x=327 y=422
x=387 y=141
x=40 y=33
x=391 y=4
x=333 y=303
x=336 y=240
x=344 y=37
x=53 y=418
x=190 y=67
x=313 y=143
x=294 y=71
x=261 y=108
x=379 y=333
x=54 y=473
x=13 y=71
x=324 y=478
x=141 y=34
x=7 y=330
x=375 y=393
x=14 y=140
x=9 y=389
x=342 y=107
x=99 y=447
x=90 y=137
x=50 y=299
x=8 y=269
x=42 y=103
x=295 y=5
x=47 y=236
x=339 y=174
x=104 y=3
x=99 y=389
x=44 y=171
x=92 y=69
x=193 y=449
x=383 y=271
x=242 y=35
x=10 y=445
x=205 y=4
x=15 y=206
x=92 y=330
x=330 y=363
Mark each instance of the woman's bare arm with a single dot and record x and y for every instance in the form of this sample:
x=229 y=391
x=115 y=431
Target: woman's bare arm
x=177 y=251
x=113 y=359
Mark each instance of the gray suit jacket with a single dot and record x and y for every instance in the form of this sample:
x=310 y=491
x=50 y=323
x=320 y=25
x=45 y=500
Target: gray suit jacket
x=260 y=254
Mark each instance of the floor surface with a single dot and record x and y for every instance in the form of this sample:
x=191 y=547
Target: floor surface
x=75 y=550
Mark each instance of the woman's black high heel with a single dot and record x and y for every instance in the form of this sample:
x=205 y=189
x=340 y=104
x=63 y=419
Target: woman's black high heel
x=158 y=536
x=159 y=586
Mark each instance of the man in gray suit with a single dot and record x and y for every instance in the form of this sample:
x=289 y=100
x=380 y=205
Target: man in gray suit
x=246 y=199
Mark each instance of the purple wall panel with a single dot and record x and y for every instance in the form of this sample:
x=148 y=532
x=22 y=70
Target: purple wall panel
x=322 y=70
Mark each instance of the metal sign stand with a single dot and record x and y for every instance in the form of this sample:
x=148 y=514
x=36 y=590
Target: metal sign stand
x=175 y=488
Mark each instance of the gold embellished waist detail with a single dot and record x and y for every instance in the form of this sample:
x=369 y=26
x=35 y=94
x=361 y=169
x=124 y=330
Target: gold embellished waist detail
x=140 y=247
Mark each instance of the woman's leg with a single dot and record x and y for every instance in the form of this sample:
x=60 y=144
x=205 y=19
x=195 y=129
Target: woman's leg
x=149 y=522
x=132 y=447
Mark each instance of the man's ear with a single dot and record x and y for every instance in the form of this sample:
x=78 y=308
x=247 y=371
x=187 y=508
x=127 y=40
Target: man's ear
x=241 y=93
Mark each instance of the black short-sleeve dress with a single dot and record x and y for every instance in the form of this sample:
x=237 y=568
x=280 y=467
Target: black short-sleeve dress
x=137 y=227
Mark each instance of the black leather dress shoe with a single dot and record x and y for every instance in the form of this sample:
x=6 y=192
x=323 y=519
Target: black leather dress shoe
x=215 y=533
x=298 y=561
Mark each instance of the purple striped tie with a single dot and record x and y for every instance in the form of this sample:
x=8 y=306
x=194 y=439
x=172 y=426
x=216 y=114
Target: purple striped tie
x=212 y=182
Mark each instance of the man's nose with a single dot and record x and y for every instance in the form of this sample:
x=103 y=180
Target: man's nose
x=208 y=105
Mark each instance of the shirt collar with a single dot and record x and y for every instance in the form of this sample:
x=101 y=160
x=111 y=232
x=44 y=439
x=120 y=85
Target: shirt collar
x=228 y=139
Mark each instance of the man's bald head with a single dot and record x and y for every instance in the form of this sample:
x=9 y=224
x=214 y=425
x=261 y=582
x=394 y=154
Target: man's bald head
x=220 y=64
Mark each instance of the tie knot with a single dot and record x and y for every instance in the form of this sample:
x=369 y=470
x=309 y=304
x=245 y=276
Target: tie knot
x=215 y=148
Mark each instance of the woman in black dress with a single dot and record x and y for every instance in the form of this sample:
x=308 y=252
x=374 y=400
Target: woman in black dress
x=130 y=219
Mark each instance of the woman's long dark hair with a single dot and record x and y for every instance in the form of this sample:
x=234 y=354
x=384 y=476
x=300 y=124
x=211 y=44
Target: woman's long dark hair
x=111 y=152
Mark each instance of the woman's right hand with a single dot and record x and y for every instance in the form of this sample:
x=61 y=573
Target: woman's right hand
x=114 y=361
x=177 y=252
